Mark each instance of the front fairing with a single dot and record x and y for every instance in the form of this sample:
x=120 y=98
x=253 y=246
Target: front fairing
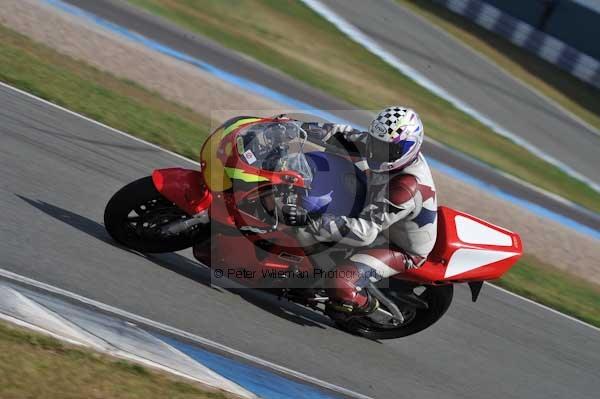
x=256 y=150
x=242 y=158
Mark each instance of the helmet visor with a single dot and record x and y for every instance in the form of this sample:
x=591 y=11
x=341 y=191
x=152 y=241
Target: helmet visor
x=380 y=152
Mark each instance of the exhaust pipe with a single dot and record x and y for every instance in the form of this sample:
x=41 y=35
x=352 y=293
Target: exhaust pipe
x=181 y=226
x=376 y=292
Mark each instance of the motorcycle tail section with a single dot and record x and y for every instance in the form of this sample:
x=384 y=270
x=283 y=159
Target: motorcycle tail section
x=475 y=249
x=468 y=249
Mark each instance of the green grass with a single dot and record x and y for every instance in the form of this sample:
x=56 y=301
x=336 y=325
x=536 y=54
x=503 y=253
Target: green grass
x=124 y=105
x=292 y=38
x=34 y=365
x=119 y=103
x=574 y=95
x=554 y=288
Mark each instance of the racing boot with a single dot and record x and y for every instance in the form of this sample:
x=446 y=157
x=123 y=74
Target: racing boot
x=352 y=308
x=347 y=294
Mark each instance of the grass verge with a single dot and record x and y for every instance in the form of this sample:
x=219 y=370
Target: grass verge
x=116 y=102
x=34 y=365
x=126 y=106
x=545 y=284
x=292 y=38
x=571 y=93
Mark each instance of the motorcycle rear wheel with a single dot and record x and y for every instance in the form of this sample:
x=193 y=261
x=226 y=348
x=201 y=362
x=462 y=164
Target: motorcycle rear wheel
x=438 y=298
x=134 y=215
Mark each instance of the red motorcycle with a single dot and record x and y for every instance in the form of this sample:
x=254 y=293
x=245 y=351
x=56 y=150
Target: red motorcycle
x=229 y=211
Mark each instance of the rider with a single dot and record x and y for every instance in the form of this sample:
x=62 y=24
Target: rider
x=400 y=207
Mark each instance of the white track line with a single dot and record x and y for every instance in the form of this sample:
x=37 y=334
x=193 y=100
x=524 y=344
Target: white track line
x=2 y=84
x=503 y=71
x=112 y=129
x=205 y=342
x=35 y=328
x=115 y=353
x=371 y=45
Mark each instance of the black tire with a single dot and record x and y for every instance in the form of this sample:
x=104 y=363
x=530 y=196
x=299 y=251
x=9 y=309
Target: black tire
x=438 y=298
x=151 y=210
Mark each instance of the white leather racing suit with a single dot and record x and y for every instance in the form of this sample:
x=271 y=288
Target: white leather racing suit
x=401 y=206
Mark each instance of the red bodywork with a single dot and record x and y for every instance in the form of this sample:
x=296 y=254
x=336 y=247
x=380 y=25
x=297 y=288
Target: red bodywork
x=188 y=190
x=184 y=187
x=435 y=271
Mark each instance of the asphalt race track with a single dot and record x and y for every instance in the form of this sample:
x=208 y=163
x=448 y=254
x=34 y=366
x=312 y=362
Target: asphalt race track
x=158 y=29
x=59 y=170
x=475 y=81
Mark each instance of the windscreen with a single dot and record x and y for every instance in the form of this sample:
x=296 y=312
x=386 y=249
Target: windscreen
x=274 y=146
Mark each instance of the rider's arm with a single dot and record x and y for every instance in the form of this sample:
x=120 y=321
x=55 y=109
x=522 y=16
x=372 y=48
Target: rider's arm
x=342 y=136
x=374 y=218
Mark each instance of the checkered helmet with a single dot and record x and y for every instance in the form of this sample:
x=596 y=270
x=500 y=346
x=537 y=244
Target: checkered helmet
x=396 y=135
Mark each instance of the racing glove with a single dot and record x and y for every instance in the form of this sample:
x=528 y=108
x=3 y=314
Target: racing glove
x=294 y=215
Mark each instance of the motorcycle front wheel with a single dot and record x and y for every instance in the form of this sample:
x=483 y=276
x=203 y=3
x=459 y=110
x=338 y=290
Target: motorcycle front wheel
x=437 y=298
x=135 y=214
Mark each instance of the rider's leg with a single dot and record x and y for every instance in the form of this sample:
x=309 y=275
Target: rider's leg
x=346 y=287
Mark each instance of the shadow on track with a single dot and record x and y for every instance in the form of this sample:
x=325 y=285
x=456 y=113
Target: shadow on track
x=187 y=268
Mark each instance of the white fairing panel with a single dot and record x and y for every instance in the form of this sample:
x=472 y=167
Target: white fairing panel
x=472 y=232
x=464 y=260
